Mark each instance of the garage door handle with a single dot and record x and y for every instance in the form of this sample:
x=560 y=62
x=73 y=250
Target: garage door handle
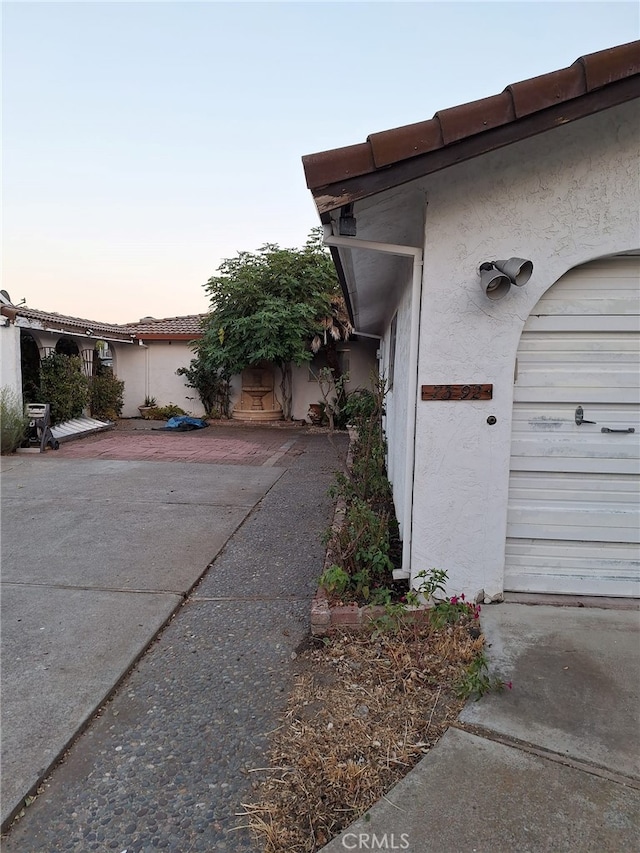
x=606 y=429
x=580 y=417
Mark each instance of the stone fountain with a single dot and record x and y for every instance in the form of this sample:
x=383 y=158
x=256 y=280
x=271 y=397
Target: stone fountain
x=257 y=400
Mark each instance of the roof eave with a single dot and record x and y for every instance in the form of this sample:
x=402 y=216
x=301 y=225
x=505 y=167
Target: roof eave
x=159 y=336
x=334 y=195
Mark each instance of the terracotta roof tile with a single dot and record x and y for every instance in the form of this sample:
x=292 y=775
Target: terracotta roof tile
x=169 y=328
x=51 y=319
x=403 y=142
x=608 y=66
x=468 y=119
x=322 y=168
x=450 y=126
x=189 y=327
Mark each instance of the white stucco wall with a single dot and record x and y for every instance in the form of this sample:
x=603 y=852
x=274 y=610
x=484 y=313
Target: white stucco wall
x=10 y=370
x=150 y=370
x=559 y=199
x=397 y=400
x=361 y=356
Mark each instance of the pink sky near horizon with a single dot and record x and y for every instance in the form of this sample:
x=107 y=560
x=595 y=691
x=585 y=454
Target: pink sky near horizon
x=146 y=142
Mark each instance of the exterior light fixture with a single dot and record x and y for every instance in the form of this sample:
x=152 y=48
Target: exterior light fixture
x=347 y=222
x=496 y=277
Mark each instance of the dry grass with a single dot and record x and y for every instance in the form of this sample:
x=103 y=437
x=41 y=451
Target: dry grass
x=363 y=711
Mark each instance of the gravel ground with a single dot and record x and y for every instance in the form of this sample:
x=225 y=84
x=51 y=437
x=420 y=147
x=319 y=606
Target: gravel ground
x=170 y=759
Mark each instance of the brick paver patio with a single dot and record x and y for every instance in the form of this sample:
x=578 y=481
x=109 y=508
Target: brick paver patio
x=219 y=445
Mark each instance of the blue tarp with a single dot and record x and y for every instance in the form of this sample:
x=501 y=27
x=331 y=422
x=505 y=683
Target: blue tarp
x=185 y=422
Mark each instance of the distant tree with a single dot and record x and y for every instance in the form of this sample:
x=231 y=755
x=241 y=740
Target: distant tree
x=276 y=305
x=211 y=382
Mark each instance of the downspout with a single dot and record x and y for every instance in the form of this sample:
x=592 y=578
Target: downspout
x=416 y=255
x=145 y=347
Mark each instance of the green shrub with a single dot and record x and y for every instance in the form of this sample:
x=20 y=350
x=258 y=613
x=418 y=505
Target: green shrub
x=359 y=406
x=212 y=385
x=362 y=546
x=13 y=421
x=64 y=386
x=106 y=394
x=163 y=413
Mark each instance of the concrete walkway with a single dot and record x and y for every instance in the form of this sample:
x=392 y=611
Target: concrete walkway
x=552 y=765
x=97 y=554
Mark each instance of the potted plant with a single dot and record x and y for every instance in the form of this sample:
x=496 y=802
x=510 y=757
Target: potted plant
x=145 y=408
x=316 y=413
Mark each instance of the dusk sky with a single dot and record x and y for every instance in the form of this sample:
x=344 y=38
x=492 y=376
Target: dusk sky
x=146 y=142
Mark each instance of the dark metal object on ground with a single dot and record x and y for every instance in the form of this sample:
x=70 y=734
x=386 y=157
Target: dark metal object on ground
x=39 y=430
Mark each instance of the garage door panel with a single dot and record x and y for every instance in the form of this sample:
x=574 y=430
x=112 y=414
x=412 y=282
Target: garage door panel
x=537 y=346
x=559 y=488
x=573 y=584
x=573 y=567
x=617 y=557
x=573 y=520
x=557 y=447
x=578 y=464
x=578 y=376
x=562 y=412
x=626 y=304
x=581 y=396
x=583 y=532
x=562 y=323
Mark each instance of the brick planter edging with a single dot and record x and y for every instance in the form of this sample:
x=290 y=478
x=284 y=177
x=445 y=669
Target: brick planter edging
x=325 y=618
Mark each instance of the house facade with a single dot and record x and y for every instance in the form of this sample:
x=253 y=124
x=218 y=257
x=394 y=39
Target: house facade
x=146 y=355
x=512 y=422
x=149 y=369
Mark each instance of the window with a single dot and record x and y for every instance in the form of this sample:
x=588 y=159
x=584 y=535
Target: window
x=392 y=348
x=319 y=361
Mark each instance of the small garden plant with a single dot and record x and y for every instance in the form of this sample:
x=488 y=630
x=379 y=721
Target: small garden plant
x=13 y=422
x=163 y=413
x=365 y=544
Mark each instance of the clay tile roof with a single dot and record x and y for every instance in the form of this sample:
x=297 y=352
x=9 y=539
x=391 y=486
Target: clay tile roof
x=169 y=328
x=73 y=325
x=354 y=160
x=509 y=112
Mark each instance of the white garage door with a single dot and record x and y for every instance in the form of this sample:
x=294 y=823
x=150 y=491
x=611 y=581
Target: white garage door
x=574 y=491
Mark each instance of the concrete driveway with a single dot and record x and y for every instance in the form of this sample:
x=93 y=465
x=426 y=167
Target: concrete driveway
x=97 y=554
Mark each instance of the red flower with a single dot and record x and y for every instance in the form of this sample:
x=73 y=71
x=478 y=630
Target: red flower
x=454 y=599
x=510 y=685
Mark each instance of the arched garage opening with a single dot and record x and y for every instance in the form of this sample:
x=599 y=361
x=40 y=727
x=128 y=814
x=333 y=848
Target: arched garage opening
x=573 y=523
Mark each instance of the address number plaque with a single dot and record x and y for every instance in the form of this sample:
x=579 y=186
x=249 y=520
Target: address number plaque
x=457 y=392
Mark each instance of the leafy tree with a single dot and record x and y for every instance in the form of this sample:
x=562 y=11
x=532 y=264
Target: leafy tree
x=276 y=305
